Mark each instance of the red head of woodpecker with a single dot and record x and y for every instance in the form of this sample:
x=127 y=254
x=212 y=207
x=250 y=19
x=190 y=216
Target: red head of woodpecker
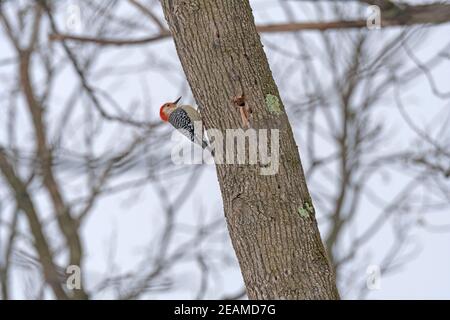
x=167 y=108
x=182 y=118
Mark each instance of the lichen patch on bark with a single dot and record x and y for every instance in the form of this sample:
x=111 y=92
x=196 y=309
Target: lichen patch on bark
x=273 y=104
x=305 y=210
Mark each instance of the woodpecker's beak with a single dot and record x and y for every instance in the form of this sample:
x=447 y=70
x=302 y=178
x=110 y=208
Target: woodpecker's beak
x=176 y=101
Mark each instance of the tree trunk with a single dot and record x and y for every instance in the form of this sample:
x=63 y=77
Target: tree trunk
x=270 y=218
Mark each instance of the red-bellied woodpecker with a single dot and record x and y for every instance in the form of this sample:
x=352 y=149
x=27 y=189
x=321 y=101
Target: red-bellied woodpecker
x=183 y=118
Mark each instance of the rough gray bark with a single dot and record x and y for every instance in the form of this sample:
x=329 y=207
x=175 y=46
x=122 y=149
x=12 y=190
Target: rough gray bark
x=278 y=246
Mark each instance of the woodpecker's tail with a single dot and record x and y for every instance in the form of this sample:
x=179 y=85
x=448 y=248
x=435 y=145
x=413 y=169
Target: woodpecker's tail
x=206 y=146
